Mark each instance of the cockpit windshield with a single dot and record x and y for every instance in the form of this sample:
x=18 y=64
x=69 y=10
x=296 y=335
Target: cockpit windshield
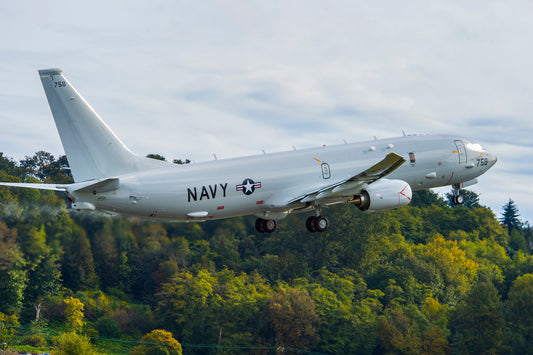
x=476 y=147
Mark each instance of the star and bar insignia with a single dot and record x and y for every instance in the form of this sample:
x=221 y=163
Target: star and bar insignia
x=248 y=186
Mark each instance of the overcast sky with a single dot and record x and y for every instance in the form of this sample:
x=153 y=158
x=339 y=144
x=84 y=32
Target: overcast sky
x=187 y=79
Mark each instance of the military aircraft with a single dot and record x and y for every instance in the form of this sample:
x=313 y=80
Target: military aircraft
x=374 y=175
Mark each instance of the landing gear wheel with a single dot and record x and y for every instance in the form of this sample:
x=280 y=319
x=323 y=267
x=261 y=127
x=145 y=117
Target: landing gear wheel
x=270 y=225
x=321 y=224
x=457 y=198
x=265 y=226
x=317 y=224
x=310 y=224
x=259 y=225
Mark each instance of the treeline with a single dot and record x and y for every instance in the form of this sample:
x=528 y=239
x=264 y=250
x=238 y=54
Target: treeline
x=428 y=278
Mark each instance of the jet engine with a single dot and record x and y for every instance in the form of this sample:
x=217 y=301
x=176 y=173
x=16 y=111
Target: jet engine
x=382 y=195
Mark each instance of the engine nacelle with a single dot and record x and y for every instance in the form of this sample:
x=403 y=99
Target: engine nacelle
x=383 y=195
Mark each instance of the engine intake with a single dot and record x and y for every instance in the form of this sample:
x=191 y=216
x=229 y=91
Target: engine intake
x=383 y=194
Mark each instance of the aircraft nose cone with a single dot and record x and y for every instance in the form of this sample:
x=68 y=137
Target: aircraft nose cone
x=492 y=159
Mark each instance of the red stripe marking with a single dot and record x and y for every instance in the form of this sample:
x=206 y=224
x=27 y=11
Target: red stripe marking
x=259 y=202
x=451 y=177
x=220 y=207
x=401 y=192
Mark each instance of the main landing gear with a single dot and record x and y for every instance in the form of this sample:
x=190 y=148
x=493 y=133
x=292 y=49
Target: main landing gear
x=313 y=224
x=265 y=225
x=317 y=224
x=457 y=198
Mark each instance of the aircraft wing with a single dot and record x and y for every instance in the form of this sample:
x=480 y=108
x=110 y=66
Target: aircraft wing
x=353 y=184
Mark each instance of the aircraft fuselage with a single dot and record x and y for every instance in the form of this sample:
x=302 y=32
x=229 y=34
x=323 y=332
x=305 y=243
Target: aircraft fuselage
x=256 y=184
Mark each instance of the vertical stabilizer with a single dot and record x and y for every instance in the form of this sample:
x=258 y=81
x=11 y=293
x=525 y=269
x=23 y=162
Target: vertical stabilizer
x=92 y=149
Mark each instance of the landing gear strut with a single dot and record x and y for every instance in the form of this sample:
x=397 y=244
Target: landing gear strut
x=265 y=225
x=457 y=198
x=317 y=224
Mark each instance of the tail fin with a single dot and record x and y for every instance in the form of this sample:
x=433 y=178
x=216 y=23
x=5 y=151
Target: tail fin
x=92 y=149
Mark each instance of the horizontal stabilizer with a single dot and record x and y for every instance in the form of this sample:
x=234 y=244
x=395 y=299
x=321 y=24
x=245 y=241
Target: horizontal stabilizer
x=106 y=185
x=52 y=187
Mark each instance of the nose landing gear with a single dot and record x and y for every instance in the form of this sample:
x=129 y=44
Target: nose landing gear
x=457 y=198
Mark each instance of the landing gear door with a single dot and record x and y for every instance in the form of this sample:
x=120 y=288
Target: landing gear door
x=461 y=151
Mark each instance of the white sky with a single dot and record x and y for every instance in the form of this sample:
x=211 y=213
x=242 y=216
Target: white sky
x=187 y=79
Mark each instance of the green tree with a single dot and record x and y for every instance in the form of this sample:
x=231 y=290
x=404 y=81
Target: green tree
x=106 y=257
x=292 y=315
x=519 y=314
x=510 y=216
x=43 y=166
x=44 y=277
x=425 y=198
x=181 y=162
x=77 y=263
x=397 y=333
x=8 y=326
x=156 y=156
x=158 y=342
x=517 y=240
x=477 y=324
x=187 y=303
x=13 y=274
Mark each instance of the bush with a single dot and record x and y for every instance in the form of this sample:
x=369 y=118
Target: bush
x=108 y=327
x=158 y=342
x=74 y=344
x=35 y=340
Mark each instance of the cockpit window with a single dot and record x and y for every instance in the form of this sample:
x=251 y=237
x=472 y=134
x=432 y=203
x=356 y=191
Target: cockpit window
x=412 y=158
x=476 y=147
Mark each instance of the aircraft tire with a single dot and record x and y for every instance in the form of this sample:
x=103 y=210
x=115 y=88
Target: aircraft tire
x=310 y=224
x=459 y=199
x=260 y=225
x=321 y=223
x=269 y=225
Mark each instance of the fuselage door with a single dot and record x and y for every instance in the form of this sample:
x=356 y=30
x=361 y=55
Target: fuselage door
x=461 y=151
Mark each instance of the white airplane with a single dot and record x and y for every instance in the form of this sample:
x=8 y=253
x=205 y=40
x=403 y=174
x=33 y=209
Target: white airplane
x=374 y=175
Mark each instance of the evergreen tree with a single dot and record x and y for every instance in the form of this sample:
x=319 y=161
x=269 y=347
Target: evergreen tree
x=510 y=216
x=478 y=323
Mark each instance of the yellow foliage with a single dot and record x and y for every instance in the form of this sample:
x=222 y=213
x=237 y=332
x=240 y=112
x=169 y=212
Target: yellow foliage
x=74 y=313
x=158 y=341
x=458 y=271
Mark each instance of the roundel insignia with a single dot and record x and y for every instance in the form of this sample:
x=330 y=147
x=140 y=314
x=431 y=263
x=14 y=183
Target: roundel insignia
x=248 y=186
